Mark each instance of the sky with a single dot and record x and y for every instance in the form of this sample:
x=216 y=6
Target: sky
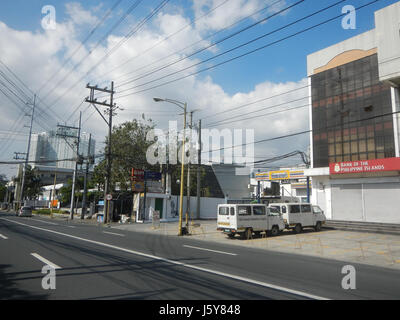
x=153 y=55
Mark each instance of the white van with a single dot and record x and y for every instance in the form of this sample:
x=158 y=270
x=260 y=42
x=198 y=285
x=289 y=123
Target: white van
x=246 y=219
x=300 y=215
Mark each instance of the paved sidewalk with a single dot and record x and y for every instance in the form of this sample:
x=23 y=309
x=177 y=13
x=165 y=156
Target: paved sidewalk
x=358 y=247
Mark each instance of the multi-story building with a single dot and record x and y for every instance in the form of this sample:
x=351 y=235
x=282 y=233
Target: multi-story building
x=47 y=147
x=354 y=119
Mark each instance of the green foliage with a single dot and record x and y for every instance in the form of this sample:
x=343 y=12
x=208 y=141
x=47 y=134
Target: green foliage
x=66 y=191
x=47 y=211
x=129 y=147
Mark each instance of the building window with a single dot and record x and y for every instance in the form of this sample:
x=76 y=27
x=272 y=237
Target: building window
x=347 y=104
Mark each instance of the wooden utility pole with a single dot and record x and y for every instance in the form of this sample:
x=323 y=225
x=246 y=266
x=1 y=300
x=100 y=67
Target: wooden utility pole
x=65 y=132
x=111 y=107
x=21 y=197
x=198 y=171
x=188 y=170
x=84 y=205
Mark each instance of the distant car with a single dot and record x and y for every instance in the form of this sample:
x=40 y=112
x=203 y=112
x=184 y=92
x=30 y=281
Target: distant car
x=25 y=212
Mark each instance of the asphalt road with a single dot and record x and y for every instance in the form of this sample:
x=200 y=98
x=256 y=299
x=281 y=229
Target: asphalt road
x=97 y=262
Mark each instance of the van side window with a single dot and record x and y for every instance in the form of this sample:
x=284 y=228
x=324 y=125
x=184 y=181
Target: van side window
x=295 y=208
x=259 y=211
x=232 y=211
x=306 y=208
x=223 y=211
x=284 y=209
x=244 y=211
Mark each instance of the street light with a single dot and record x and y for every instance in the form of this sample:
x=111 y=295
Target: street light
x=182 y=105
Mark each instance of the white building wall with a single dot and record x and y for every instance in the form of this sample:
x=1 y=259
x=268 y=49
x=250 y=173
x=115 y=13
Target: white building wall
x=387 y=25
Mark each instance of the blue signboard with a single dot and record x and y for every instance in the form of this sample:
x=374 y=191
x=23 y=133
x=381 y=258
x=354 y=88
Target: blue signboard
x=151 y=175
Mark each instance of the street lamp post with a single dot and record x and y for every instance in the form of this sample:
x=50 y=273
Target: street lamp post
x=182 y=105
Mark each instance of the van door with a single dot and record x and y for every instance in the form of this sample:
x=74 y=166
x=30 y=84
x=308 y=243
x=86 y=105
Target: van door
x=260 y=218
x=224 y=220
x=294 y=215
x=307 y=215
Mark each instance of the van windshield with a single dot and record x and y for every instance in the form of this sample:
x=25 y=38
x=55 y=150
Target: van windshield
x=223 y=211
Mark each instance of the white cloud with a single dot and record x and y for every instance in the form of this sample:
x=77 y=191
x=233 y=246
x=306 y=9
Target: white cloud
x=79 y=15
x=229 y=12
x=36 y=66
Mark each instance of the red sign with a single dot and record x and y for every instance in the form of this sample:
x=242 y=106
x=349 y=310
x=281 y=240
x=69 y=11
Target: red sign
x=363 y=166
x=137 y=175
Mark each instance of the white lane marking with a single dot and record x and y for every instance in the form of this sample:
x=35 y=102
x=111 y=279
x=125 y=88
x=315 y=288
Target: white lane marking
x=45 y=261
x=4 y=237
x=216 y=251
x=52 y=223
x=70 y=226
x=231 y=276
x=115 y=234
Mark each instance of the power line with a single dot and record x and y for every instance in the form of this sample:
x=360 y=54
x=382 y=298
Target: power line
x=242 y=55
x=203 y=49
x=83 y=42
x=116 y=47
x=166 y=38
x=130 y=9
x=203 y=39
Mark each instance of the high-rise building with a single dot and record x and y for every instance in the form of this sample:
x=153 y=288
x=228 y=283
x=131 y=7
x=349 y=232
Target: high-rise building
x=54 y=156
x=355 y=119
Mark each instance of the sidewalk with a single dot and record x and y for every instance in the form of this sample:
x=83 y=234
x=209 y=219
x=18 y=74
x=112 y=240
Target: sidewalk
x=359 y=247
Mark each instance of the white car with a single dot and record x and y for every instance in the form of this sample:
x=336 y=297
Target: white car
x=300 y=215
x=246 y=219
x=25 y=212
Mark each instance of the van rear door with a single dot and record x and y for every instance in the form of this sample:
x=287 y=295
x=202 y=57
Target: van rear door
x=224 y=217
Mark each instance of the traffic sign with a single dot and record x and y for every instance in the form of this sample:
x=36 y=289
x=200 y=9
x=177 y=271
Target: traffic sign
x=109 y=197
x=151 y=175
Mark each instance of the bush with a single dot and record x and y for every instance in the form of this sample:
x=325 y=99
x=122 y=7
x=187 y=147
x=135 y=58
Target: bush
x=47 y=211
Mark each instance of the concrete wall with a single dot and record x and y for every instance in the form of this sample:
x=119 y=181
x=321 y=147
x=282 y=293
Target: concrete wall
x=208 y=207
x=365 y=41
x=387 y=22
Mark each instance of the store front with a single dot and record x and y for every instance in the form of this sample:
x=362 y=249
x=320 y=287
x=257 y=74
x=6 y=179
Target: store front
x=358 y=191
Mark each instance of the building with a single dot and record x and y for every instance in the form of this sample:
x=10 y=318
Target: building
x=285 y=184
x=47 y=147
x=354 y=118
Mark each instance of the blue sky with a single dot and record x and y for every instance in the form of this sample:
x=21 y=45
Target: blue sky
x=280 y=63
x=34 y=55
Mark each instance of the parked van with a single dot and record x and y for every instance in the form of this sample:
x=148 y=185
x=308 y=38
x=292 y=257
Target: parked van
x=246 y=219
x=300 y=215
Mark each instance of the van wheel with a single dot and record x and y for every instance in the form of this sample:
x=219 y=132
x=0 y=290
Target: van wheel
x=318 y=226
x=231 y=235
x=297 y=228
x=248 y=234
x=274 y=231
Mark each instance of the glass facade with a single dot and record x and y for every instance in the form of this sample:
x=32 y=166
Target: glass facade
x=347 y=104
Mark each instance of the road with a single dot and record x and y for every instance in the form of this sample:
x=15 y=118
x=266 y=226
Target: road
x=96 y=262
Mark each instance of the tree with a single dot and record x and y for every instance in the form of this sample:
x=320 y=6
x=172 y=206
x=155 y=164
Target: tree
x=32 y=185
x=129 y=147
x=3 y=188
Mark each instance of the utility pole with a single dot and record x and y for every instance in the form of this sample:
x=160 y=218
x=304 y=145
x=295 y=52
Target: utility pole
x=188 y=170
x=53 y=195
x=198 y=171
x=111 y=107
x=84 y=206
x=71 y=215
x=21 y=197
x=65 y=132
